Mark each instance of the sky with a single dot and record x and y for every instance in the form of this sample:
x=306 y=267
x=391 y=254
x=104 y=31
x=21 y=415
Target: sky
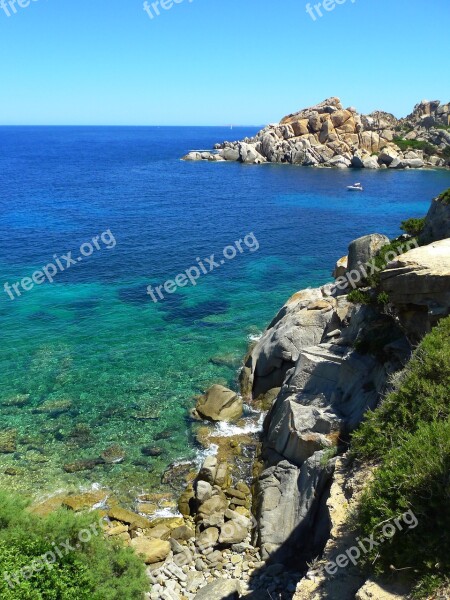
x=216 y=62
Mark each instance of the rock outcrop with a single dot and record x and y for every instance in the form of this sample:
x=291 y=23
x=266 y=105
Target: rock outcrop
x=364 y=249
x=330 y=135
x=312 y=350
x=437 y=222
x=418 y=285
x=325 y=361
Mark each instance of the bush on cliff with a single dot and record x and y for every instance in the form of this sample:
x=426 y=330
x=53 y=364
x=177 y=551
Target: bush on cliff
x=445 y=196
x=95 y=569
x=413 y=226
x=421 y=395
x=413 y=481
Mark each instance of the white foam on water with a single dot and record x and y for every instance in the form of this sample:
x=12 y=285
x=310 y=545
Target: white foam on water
x=203 y=453
x=164 y=513
x=224 y=429
x=254 y=337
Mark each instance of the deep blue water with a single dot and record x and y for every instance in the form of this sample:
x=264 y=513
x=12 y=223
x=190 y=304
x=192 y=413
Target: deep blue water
x=95 y=338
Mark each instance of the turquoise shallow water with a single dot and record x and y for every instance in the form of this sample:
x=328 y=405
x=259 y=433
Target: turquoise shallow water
x=129 y=367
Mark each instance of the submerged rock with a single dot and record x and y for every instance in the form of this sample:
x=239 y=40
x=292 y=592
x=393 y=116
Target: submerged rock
x=82 y=465
x=19 y=400
x=8 y=441
x=113 y=454
x=151 y=451
x=54 y=407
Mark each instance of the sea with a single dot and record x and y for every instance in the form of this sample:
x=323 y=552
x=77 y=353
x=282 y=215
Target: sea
x=91 y=365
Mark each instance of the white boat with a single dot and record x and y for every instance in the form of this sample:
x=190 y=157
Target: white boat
x=356 y=187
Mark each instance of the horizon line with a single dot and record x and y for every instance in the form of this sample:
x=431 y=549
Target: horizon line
x=120 y=125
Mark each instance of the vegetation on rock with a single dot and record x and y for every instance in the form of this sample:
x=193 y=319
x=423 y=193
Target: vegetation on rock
x=413 y=226
x=409 y=436
x=445 y=197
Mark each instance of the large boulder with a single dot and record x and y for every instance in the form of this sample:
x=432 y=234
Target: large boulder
x=288 y=500
x=418 y=284
x=248 y=154
x=220 y=404
x=437 y=222
x=362 y=250
x=230 y=154
x=299 y=324
x=152 y=550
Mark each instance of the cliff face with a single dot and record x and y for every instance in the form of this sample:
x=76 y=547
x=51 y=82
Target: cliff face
x=326 y=361
x=330 y=135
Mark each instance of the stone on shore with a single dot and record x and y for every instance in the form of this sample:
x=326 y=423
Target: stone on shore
x=153 y=551
x=220 y=404
x=222 y=589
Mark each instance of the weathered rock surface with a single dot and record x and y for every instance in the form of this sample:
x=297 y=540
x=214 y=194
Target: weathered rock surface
x=288 y=500
x=153 y=550
x=437 y=222
x=299 y=324
x=220 y=404
x=418 y=284
x=345 y=492
x=362 y=250
x=326 y=387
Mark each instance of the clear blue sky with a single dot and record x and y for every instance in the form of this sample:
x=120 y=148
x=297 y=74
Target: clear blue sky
x=217 y=62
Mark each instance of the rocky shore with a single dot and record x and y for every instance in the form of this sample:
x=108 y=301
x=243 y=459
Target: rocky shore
x=329 y=135
x=269 y=509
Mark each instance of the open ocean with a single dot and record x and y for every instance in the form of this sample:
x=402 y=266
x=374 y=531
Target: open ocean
x=125 y=368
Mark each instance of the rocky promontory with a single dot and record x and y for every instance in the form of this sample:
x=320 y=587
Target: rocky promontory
x=329 y=135
x=270 y=510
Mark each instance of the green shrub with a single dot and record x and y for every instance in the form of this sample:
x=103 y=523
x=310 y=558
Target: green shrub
x=98 y=569
x=383 y=298
x=421 y=396
x=414 y=479
x=445 y=197
x=359 y=297
x=405 y=145
x=413 y=226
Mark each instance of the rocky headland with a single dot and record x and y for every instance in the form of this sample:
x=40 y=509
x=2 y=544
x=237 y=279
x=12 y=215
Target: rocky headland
x=329 y=135
x=270 y=509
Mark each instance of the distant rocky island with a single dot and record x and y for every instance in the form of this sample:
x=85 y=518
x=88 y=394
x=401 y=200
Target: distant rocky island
x=329 y=135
